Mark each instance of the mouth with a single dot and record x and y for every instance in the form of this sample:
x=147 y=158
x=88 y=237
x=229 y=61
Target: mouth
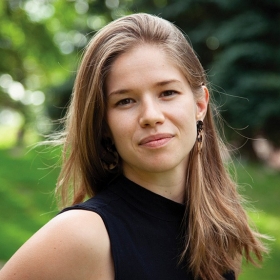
x=156 y=140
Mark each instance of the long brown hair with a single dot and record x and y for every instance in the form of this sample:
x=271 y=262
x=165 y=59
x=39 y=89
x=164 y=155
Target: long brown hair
x=216 y=228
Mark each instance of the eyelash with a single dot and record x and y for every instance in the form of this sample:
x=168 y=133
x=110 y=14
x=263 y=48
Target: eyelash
x=169 y=91
x=127 y=101
x=124 y=102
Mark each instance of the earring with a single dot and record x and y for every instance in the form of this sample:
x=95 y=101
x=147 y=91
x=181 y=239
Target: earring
x=109 y=155
x=199 y=126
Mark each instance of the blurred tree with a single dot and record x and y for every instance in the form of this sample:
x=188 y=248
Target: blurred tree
x=40 y=45
x=237 y=41
x=29 y=60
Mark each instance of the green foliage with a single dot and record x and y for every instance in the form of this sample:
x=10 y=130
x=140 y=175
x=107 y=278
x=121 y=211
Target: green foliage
x=237 y=42
x=260 y=185
x=27 y=181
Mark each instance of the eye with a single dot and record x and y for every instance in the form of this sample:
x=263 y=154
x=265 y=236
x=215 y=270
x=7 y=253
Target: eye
x=124 y=102
x=169 y=93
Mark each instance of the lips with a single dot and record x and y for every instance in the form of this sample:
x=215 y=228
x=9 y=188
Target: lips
x=158 y=138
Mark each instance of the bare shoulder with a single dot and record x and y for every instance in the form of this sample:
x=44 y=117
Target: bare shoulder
x=73 y=245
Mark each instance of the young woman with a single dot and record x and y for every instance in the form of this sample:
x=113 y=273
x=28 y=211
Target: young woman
x=141 y=144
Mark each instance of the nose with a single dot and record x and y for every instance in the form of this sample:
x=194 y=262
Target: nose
x=151 y=113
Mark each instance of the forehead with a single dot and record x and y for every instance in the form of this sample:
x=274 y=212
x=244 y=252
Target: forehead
x=143 y=64
x=142 y=51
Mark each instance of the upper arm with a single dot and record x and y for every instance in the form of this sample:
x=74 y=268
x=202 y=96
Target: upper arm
x=74 y=245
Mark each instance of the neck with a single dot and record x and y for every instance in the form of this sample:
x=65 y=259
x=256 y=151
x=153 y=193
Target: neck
x=167 y=184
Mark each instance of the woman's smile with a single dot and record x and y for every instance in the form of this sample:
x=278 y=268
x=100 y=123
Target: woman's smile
x=156 y=141
x=151 y=112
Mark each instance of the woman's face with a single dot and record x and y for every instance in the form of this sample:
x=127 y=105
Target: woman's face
x=152 y=112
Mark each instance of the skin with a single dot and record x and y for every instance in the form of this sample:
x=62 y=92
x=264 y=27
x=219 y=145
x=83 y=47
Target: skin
x=152 y=115
x=73 y=245
x=154 y=129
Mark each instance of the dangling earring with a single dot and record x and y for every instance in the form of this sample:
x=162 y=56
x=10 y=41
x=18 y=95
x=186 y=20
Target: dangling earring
x=109 y=154
x=199 y=126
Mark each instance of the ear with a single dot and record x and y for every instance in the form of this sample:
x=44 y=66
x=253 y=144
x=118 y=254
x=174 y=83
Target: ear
x=202 y=104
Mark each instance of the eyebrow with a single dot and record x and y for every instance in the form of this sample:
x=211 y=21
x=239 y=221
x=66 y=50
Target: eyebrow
x=119 y=91
x=158 y=84
x=163 y=83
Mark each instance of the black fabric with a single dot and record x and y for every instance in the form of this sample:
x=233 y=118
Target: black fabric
x=144 y=231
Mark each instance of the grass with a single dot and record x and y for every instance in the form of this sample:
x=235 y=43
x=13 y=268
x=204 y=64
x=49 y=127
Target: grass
x=27 y=182
x=261 y=186
x=26 y=186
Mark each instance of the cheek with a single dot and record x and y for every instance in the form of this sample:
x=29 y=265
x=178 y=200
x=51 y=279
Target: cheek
x=113 y=129
x=186 y=112
x=189 y=128
x=187 y=119
x=119 y=130
x=111 y=125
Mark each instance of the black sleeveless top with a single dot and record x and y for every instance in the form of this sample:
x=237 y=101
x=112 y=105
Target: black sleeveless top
x=144 y=231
